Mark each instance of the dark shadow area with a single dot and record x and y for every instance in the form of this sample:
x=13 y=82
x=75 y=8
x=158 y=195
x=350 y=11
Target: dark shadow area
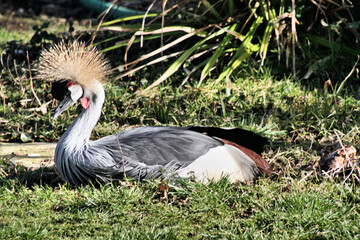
x=13 y=176
x=70 y=9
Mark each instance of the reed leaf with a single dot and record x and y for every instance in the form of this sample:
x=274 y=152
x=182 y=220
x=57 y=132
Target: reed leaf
x=332 y=45
x=124 y=43
x=165 y=47
x=158 y=60
x=130 y=18
x=211 y=8
x=218 y=52
x=244 y=51
x=266 y=41
x=176 y=65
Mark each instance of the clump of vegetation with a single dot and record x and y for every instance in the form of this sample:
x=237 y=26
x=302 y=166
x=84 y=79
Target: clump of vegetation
x=215 y=37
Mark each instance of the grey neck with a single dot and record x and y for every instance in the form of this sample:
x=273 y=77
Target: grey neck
x=71 y=148
x=77 y=136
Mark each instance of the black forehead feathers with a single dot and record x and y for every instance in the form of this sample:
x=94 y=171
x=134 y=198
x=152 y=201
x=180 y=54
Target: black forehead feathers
x=59 y=89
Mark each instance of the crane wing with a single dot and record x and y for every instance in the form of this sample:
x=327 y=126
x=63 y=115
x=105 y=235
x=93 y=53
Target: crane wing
x=147 y=150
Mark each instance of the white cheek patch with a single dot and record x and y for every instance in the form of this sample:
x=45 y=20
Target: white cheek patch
x=76 y=92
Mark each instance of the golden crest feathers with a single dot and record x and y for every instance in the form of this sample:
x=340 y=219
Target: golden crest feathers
x=73 y=62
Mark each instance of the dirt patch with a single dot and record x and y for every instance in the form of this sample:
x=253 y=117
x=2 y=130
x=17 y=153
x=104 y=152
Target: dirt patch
x=30 y=155
x=14 y=24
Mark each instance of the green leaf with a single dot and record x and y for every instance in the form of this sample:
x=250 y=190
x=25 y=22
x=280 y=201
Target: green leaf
x=245 y=50
x=176 y=65
x=211 y=9
x=265 y=41
x=331 y=44
x=218 y=52
x=124 y=19
x=231 y=7
x=125 y=42
x=26 y=137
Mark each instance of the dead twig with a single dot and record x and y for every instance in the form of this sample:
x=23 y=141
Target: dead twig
x=143 y=22
x=101 y=21
x=2 y=94
x=31 y=81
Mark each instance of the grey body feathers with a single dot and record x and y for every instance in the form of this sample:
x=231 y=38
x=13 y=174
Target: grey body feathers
x=148 y=152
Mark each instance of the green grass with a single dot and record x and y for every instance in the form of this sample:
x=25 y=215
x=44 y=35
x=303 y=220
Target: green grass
x=15 y=28
x=295 y=203
x=301 y=118
x=270 y=209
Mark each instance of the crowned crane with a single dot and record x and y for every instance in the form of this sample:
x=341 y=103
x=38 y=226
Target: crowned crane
x=200 y=153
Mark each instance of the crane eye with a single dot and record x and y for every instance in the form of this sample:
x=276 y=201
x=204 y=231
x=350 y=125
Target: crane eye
x=58 y=90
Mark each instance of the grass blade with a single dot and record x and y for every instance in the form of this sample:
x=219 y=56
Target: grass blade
x=125 y=19
x=265 y=41
x=332 y=45
x=176 y=65
x=218 y=52
x=160 y=59
x=347 y=77
x=211 y=9
x=165 y=47
x=197 y=67
x=168 y=29
x=243 y=52
x=125 y=42
x=231 y=7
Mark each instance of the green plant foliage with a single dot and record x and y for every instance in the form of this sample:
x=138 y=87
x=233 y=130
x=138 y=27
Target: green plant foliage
x=41 y=34
x=214 y=32
x=249 y=29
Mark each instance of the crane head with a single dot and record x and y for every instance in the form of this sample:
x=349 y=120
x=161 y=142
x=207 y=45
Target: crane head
x=74 y=70
x=67 y=93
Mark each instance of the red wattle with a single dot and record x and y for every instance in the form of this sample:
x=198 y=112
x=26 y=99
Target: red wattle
x=85 y=103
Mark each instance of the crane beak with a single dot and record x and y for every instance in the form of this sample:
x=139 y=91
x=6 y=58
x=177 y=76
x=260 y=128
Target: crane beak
x=63 y=105
x=72 y=94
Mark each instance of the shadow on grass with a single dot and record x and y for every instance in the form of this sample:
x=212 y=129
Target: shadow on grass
x=21 y=176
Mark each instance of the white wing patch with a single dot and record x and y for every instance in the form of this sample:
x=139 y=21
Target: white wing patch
x=220 y=162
